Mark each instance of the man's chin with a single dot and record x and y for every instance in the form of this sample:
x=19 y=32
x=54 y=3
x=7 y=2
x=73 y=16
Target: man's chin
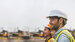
x=51 y=27
x=45 y=35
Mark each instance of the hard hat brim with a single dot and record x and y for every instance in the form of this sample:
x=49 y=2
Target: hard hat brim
x=48 y=27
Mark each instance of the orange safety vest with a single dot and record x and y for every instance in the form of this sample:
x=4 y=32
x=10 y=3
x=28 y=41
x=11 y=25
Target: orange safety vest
x=50 y=40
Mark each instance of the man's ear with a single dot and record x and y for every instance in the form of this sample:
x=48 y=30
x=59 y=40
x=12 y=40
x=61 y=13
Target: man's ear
x=61 y=20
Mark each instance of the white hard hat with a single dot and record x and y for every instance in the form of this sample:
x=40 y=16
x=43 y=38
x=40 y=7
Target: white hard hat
x=57 y=13
x=48 y=26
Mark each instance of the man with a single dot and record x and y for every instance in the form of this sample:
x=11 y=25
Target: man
x=58 y=21
x=53 y=32
x=48 y=35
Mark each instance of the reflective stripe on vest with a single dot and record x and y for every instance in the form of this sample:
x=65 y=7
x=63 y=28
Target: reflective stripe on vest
x=67 y=33
x=50 y=40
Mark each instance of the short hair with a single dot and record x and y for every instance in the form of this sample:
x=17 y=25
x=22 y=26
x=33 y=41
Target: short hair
x=64 y=20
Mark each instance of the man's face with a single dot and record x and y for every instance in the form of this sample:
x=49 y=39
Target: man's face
x=46 y=32
x=53 y=32
x=54 y=22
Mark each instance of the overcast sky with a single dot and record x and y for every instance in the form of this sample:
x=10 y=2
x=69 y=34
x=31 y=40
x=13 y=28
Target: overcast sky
x=32 y=13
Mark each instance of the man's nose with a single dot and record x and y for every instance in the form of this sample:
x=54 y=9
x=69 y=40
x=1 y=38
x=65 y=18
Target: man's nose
x=50 y=22
x=44 y=31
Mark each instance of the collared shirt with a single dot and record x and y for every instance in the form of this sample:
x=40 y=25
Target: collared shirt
x=62 y=37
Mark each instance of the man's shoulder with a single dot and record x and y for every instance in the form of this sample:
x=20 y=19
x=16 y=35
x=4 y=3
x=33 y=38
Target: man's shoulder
x=64 y=33
x=63 y=37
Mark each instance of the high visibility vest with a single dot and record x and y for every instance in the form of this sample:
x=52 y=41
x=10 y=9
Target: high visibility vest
x=50 y=40
x=67 y=33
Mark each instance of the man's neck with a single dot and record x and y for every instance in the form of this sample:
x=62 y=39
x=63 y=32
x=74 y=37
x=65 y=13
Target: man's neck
x=60 y=27
x=52 y=36
x=48 y=37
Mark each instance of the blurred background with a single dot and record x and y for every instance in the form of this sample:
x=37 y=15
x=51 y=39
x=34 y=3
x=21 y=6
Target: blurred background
x=24 y=19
